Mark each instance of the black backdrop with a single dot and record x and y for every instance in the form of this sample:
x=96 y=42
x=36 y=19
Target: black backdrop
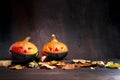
x=90 y=28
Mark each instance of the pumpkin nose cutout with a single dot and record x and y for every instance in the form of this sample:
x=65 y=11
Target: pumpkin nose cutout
x=25 y=51
x=56 y=49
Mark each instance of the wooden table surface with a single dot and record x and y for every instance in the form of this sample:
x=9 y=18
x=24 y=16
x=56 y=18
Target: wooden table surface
x=58 y=74
x=82 y=73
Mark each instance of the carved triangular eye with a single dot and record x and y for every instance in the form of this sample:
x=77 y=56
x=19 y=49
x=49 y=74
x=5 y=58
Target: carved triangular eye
x=20 y=47
x=50 y=48
x=29 y=48
x=62 y=47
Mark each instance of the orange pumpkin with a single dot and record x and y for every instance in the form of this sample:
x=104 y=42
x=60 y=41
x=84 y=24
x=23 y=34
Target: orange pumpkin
x=23 y=50
x=54 y=49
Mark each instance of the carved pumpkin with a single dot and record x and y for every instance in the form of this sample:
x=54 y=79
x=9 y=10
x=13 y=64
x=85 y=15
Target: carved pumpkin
x=23 y=50
x=54 y=49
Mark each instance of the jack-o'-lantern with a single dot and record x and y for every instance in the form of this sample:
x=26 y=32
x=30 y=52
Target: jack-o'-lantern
x=23 y=51
x=54 y=49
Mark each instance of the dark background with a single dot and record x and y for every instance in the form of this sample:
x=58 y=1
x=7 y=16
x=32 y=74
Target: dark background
x=90 y=28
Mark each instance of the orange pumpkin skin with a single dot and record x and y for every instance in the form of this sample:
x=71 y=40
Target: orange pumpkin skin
x=23 y=50
x=54 y=49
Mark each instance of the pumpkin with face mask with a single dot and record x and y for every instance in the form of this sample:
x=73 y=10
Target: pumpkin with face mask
x=23 y=50
x=54 y=49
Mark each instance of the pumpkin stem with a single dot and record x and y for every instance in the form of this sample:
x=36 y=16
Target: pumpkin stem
x=53 y=36
x=27 y=38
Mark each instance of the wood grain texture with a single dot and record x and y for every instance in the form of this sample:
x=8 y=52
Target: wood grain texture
x=57 y=74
